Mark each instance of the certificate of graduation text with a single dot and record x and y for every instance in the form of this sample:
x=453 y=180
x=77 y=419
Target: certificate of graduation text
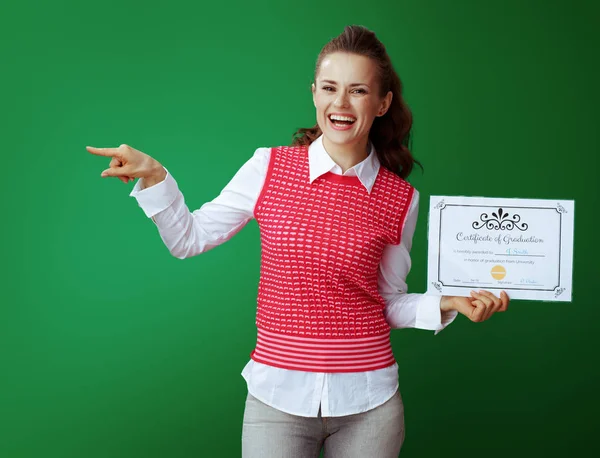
x=521 y=246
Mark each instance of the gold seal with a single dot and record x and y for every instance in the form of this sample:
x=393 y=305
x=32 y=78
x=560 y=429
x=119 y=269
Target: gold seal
x=498 y=272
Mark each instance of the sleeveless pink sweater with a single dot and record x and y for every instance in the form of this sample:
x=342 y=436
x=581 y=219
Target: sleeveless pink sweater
x=319 y=308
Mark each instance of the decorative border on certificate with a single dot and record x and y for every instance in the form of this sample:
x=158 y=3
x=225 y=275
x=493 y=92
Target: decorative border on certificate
x=521 y=246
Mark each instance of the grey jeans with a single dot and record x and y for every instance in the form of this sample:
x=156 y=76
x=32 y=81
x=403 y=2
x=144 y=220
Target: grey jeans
x=271 y=433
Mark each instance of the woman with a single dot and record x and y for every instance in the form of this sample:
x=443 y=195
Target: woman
x=336 y=218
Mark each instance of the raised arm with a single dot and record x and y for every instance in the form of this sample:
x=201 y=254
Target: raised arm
x=187 y=233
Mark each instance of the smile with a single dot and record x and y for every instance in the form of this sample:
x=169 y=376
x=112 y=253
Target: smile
x=341 y=122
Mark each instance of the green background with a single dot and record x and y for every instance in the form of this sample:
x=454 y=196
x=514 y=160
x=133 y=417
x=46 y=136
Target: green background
x=110 y=347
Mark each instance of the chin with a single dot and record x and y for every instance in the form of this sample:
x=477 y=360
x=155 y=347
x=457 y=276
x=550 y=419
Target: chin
x=340 y=137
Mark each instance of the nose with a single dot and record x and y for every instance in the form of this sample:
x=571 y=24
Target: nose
x=342 y=99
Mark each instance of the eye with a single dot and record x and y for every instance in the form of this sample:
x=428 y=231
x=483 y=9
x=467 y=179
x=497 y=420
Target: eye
x=362 y=91
x=327 y=88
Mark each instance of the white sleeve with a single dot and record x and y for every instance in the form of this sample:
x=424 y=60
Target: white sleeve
x=188 y=233
x=403 y=310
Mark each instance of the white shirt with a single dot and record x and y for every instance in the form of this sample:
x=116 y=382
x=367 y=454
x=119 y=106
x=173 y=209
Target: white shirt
x=301 y=393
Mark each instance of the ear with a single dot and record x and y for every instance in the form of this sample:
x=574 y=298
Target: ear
x=385 y=104
x=313 y=90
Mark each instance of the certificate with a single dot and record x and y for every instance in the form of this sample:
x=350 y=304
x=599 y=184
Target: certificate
x=521 y=246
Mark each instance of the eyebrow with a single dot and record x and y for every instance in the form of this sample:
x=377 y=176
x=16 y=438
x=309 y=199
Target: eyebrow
x=352 y=85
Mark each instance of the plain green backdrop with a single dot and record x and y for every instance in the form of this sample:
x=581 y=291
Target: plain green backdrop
x=112 y=348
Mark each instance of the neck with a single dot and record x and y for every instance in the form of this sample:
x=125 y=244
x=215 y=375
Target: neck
x=347 y=156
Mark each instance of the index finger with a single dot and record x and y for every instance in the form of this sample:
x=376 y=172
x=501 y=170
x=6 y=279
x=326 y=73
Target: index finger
x=103 y=151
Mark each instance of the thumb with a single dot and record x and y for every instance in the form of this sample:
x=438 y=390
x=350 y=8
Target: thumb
x=477 y=311
x=469 y=307
x=463 y=305
x=116 y=172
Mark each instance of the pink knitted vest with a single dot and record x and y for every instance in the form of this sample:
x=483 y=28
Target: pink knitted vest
x=319 y=308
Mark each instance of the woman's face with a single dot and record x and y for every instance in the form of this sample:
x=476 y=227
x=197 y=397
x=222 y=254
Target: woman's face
x=347 y=86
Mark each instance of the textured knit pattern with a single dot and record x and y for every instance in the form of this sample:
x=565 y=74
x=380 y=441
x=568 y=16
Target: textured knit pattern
x=319 y=308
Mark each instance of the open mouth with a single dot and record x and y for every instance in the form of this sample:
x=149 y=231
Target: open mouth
x=341 y=122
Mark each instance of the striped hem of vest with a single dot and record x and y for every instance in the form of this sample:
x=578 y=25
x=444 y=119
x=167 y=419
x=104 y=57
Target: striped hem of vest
x=312 y=354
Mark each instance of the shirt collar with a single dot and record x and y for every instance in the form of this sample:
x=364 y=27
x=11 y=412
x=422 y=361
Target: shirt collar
x=319 y=163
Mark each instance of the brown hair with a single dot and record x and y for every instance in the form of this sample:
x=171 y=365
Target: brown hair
x=390 y=133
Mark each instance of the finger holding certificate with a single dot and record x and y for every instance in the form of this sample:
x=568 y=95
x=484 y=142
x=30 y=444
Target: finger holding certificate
x=521 y=246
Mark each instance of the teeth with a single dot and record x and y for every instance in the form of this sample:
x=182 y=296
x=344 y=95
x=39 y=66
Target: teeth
x=341 y=118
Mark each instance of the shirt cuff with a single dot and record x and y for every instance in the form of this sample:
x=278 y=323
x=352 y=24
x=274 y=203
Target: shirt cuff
x=429 y=315
x=156 y=198
x=447 y=318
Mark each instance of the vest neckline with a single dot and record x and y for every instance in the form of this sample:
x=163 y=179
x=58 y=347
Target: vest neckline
x=345 y=179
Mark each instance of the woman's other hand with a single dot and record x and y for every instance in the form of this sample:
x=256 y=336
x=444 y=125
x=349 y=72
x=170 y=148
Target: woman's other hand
x=479 y=307
x=128 y=163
